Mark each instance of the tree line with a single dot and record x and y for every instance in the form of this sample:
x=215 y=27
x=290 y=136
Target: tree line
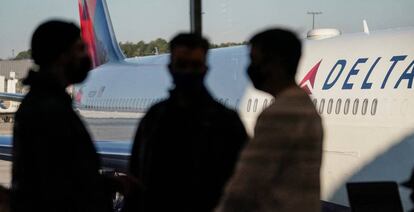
x=158 y=46
x=141 y=48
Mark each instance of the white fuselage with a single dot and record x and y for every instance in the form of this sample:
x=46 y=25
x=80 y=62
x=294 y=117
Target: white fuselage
x=362 y=89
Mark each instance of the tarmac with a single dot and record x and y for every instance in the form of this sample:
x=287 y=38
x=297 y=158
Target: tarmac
x=102 y=129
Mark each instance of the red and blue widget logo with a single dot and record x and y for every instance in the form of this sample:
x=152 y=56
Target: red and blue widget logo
x=308 y=82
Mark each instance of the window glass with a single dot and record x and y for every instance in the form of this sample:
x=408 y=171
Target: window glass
x=249 y=103
x=255 y=105
x=355 y=107
x=346 y=106
x=264 y=104
x=321 y=106
x=364 y=107
x=330 y=103
x=145 y=27
x=338 y=106
x=374 y=107
x=315 y=102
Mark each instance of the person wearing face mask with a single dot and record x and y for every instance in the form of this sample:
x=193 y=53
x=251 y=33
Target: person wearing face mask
x=185 y=147
x=279 y=169
x=55 y=164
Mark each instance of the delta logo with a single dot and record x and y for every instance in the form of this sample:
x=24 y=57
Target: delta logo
x=363 y=67
x=308 y=82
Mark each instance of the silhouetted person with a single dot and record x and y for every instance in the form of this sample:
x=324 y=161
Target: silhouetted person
x=4 y=199
x=55 y=164
x=410 y=185
x=279 y=169
x=186 y=146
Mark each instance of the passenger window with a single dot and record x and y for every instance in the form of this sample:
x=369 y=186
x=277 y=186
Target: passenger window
x=255 y=105
x=374 y=107
x=315 y=102
x=338 y=106
x=321 y=106
x=364 y=107
x=346 y=106
x=249 y=103
x=355 y=107
x=264 y=104
x=330 y=103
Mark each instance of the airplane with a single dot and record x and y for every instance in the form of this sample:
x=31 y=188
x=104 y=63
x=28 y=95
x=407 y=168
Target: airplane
x=8 y=108
x=360 y=83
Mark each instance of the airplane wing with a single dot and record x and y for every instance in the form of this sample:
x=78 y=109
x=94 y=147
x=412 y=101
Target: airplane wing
x=11 y=97
x=114 y=154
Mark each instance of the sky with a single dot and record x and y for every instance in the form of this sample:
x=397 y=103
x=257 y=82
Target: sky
x=223 y=20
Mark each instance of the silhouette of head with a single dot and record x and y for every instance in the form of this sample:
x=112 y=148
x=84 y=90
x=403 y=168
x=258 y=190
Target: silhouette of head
x=58 y=49
x=188 y=60
x=274 y=55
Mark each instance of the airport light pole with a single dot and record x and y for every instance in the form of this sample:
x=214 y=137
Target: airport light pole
x=195 y=16
x=313 y=13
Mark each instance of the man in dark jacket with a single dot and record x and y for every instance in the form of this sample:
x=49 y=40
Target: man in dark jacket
x=55 y=165
x=186 y=147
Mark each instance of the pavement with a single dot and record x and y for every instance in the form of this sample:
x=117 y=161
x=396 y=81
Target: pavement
x=102 y=129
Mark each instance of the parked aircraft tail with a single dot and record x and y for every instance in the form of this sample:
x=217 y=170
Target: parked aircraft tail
x=98 y=33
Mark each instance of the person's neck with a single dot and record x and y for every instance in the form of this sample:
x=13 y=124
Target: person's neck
x=189 y=91
x=185 y=97
x=56 y=72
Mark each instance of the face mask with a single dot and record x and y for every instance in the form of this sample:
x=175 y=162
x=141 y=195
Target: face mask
x=188 y=81
x=256 y=76
x=78 y=72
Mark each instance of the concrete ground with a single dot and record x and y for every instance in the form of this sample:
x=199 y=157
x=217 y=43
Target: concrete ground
x=106 y=129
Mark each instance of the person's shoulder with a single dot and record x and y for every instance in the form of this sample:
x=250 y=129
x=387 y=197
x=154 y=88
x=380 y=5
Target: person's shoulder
x=156 y=109
x=158 y=106
x=44 y=106
x=222 y=110
x=227 y=118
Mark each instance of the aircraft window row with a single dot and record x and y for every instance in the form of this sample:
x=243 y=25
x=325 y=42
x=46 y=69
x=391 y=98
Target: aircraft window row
x=348 y=107
x=253 y=104
x=141 y=104
x=121 y=104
